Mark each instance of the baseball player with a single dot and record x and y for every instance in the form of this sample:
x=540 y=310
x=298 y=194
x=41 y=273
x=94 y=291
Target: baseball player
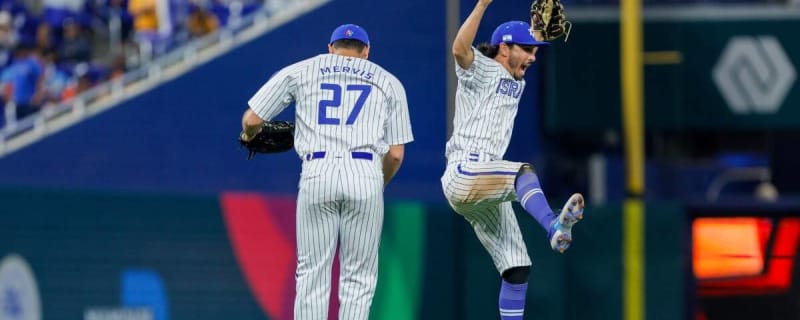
x=351 y=124
x=478 y=184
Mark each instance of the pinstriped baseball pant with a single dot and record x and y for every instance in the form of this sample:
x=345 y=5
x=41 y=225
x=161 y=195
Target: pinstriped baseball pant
x=340 y=200
x=482 y=192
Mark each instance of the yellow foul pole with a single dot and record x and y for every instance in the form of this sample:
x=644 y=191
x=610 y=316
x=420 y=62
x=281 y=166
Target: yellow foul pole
x=632 y=66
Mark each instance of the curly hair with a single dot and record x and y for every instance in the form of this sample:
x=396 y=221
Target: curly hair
x=487 y=50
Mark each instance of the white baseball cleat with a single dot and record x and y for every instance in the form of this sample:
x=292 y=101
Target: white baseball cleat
x=561 y=230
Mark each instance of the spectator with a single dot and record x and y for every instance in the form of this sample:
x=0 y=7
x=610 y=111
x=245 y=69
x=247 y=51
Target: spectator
x=44 y=37
x=152 y=23
x=117 y=10
x=201 y=21
x=75 y=46
x=24 y=76
x=55 y=79
x=8 y=38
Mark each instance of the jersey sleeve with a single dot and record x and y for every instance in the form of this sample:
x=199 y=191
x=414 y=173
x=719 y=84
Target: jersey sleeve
x=480 y=64
x=398 y=122
x=275 y=95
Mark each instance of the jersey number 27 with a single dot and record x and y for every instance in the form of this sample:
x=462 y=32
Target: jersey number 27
x=336 y=102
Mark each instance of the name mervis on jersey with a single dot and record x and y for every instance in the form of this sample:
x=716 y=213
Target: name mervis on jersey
x=346 y=69
x=341 y=104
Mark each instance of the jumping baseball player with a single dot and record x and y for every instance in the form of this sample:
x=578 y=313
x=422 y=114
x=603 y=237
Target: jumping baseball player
x=478 y=184
x=351 y=124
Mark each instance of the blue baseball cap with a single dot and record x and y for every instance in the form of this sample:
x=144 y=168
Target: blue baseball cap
x=350 y=31
x=516 y=32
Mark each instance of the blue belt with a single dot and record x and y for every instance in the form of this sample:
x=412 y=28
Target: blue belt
x=354 y=155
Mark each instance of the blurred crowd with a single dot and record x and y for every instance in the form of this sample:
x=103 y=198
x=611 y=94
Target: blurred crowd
x=52 y=50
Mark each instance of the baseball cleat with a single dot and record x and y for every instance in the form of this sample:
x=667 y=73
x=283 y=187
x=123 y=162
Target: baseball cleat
x=561 y=228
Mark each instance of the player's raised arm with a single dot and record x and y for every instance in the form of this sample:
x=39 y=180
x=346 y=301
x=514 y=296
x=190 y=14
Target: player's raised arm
x=462 y=46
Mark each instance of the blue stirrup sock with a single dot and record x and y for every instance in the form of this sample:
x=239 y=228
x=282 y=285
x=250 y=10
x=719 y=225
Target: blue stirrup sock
x=531 y=197
x=512 y=300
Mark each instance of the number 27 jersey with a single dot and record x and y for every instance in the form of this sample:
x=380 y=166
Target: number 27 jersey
x=341 y=104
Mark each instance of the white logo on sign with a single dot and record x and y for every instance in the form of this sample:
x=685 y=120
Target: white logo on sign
x=754 y=75
x=19 y=295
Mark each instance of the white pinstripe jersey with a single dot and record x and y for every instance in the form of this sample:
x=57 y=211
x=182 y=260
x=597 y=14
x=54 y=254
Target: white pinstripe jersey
x=342 y=104
x=486 y=104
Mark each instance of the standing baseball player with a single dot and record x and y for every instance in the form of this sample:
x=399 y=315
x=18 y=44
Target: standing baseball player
x=351 y=124
x=478 y=184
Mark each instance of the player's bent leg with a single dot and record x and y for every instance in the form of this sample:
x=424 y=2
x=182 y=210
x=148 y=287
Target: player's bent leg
x=512 y=293
x=480 y=182
x=497 y=229
x=317 y=230
x=560 y=232
x=531 y=197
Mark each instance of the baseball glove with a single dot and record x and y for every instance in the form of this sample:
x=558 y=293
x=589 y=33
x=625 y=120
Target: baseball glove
x=547 y=17
x=275 y=136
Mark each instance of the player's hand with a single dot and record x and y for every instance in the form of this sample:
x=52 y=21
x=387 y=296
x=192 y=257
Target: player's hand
x=537 y=34
x=548 y=20
x=244 y=137
x=248 y=137
x=272 y=137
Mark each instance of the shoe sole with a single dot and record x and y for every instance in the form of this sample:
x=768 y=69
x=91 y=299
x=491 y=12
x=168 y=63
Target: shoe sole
x=570 y=215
